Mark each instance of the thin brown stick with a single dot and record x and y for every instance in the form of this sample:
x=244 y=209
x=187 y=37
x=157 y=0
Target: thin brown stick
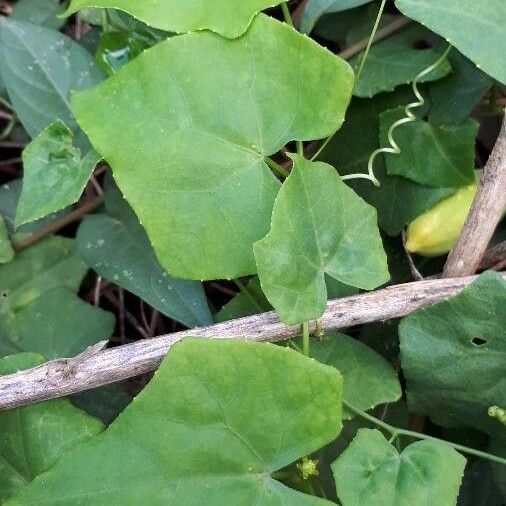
x=486 y=212
x=52 y=380
x=494 y=257
x=382 y=33
x=60 y=223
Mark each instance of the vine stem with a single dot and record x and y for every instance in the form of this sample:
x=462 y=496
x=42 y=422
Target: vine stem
x=278 y=169
x=395 y=432
x=305 y=338
x=362 y=63
x=6 y=104
x=286 y=14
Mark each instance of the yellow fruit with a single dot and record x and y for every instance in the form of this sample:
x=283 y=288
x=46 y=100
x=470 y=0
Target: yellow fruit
x=436 y=231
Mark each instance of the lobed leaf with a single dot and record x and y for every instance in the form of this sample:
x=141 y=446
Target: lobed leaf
x=191 y=164
x=371 y=471
x=54 y=173
x=319 y=226
x=192 y=436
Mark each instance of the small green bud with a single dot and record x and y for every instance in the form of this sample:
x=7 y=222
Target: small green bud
x=308 y=467
x=497 y=413
x=436 y=231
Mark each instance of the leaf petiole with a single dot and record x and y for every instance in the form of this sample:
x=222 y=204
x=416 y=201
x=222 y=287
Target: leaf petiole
x=276 y=167
x=395 y=432
x=286 y=14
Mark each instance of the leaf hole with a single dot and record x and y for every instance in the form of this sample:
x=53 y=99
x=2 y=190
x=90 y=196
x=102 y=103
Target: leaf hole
x=479 y=341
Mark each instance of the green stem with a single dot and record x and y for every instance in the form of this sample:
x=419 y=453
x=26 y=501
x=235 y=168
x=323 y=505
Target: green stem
x=305 y=338
x=370 y=41
x=8 y=129
x=362 y=63
x=300 y=148
x=6 y=104
x=395 y=432
x=244 y=289
x=286 y=14
x=278 y=169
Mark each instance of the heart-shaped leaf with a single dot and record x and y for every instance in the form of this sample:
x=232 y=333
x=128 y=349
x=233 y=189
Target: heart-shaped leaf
x=319 y=225
x=54 y=173
x=40 y=67
x=188 y=16
x=116 y=246
x=455 y=366
x=193 y=435
x=33 y=438
x=371 y=471
x=190 y=164
x=475 y=28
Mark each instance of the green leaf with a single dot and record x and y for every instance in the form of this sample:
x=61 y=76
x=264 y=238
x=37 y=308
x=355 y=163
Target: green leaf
x=454 y=97
x=54 y=173
x=51 y=263
x=116 y=246
x=441 y=156
x=33 y=438
x=39 y=12
x=279 y=86
x=476 y=29
x=369 y=380
x=115 y=50
x=9 y=198
x=252 y=300
x=395 y=61
x=371 y=471
x=182 y=17
x=453 y=356
x=315 y=9
x=319 y=226
x=57 y=324
x=6 y=251
x=398 y=200
x=39 y=67
x=247 y=302
x=242 y=411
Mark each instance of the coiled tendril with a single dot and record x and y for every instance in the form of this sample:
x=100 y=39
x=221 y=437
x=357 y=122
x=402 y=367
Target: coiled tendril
x=408 y=118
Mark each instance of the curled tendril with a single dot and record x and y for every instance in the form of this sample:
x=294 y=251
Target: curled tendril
x=408 y=118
